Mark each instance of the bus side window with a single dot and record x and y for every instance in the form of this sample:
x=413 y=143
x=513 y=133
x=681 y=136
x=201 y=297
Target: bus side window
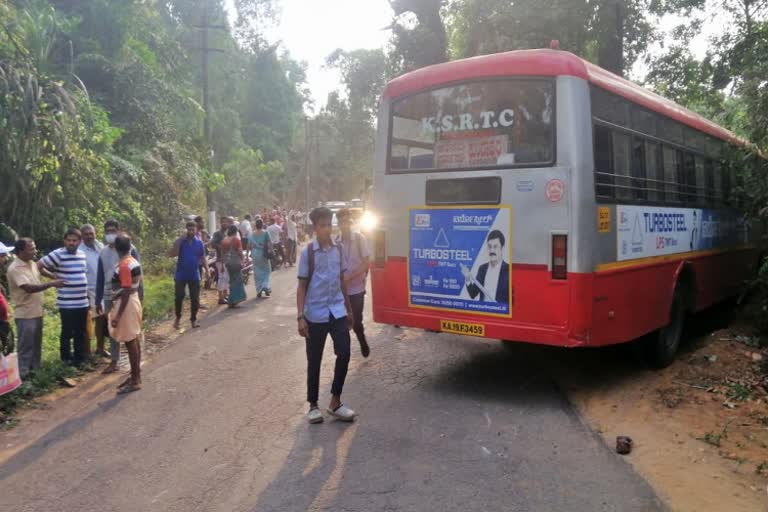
x=639 y=181
x=604 y=179
x=689 y=179
x=725 y=173
x=654 y=171
x=702 y=187
x=621 y=165
x=672 y=174
x=713 y=191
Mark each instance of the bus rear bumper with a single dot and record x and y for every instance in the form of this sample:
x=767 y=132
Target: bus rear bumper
x=503 y=330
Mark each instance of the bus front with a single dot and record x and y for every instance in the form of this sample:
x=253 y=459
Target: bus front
x=478 y=175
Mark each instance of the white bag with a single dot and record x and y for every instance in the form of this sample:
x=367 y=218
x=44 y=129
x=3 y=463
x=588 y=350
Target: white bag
x=9 y=373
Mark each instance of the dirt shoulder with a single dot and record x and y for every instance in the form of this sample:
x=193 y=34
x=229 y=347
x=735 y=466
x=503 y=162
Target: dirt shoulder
x=700 y=426
x=44 y=413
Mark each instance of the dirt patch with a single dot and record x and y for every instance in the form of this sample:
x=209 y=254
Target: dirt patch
x=700 y=426
x=156 y=337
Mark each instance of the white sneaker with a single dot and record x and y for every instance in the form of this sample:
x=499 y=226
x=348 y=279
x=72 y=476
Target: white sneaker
x=343 y=413
x=314 y=415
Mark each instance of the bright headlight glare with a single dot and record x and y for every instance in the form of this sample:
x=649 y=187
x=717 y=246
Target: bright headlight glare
x=368 y=221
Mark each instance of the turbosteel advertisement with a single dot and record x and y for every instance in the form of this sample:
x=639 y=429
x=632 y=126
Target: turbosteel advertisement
x=459 y=259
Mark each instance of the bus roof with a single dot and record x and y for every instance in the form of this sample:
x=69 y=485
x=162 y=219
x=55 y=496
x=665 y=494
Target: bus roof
x=547 y=62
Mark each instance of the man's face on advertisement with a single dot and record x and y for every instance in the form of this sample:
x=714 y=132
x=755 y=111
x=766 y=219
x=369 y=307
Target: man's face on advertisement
x=494 y=251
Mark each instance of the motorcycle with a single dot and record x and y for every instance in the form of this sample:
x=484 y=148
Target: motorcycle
x=278 y=257
x=213 y=272
x=247 y=267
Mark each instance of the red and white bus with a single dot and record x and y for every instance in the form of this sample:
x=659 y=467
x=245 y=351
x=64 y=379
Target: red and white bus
x=533 y=196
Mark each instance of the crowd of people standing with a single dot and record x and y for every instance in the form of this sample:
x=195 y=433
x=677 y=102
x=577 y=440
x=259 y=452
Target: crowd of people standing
x=99 y=289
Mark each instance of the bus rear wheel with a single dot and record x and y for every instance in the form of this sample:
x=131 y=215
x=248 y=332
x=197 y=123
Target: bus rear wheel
x=661 y=347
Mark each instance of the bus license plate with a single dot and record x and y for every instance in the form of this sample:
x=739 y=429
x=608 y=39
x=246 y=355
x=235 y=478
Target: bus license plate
x=462 y=328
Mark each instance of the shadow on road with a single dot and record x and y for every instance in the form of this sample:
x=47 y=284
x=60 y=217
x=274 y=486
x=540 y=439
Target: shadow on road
x=75 y=425
x=451 y=423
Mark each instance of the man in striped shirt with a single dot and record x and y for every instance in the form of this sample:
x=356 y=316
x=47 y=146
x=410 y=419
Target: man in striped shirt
x=70 y=265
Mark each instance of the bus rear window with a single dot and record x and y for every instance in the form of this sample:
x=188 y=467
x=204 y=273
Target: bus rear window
x=499 y=123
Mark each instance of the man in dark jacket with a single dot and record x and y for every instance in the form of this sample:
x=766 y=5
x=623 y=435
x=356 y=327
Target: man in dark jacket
x=492 y=280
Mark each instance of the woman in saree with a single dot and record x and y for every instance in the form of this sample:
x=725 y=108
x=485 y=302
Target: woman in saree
x=232 y=252
x=125 y=317
x=262 y=266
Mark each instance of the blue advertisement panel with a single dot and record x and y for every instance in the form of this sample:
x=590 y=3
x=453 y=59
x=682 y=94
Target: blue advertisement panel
x=459 y=259
x=644 y=231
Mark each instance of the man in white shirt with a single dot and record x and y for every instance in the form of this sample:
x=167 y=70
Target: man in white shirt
x=292 y=239
x=355 y=249
x=273 y=230
x=245 y=229
x=92 y=249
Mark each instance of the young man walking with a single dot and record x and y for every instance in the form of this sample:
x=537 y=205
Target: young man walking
x=274 y=231
x=355 y=248
x=292 y=239
x=190 y=251
x=246 y=229
x=324 y=308
x=69 y=264
x=26 y=287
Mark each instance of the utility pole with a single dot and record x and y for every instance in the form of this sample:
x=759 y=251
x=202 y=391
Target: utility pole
x=307 y=145
x=205 y=51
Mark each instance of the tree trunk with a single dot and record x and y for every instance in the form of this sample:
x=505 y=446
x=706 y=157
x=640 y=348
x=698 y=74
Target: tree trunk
x=610 y=53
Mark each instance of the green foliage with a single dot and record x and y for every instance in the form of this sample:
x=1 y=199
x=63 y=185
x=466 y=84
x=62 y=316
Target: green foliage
x=418 y=33
x=613 y=33
x=158 y=298
x=100 y=113
x=738 y=392
x=250 y=182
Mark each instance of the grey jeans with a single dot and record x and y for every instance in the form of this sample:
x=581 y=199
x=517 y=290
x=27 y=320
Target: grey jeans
x=30 y=342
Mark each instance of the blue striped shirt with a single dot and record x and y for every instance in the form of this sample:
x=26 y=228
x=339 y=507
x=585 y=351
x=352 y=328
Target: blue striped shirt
x=72 y=269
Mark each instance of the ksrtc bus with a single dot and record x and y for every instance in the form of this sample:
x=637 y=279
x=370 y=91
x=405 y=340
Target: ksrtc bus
x=533 y=196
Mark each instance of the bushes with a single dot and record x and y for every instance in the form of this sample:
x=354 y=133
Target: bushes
x=158 y=299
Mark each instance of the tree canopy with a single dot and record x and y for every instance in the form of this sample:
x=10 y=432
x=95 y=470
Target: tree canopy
x=101 y=112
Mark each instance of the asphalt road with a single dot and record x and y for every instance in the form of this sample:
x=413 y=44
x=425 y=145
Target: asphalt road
x=446 y=423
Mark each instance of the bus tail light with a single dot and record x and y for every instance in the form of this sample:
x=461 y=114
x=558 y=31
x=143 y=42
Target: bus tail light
x=380 y=249
x=559 y=256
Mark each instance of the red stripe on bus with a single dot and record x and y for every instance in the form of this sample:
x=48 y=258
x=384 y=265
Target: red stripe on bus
x=589 y=309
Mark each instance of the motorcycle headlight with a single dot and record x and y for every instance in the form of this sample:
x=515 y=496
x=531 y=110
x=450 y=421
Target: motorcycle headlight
x=368 y=221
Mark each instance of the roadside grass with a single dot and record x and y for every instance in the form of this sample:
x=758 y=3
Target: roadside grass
x=158 y=305
x=158 y=299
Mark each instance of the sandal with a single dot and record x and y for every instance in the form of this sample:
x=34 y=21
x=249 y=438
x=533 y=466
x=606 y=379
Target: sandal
x=130 y=388
x=124 y=383
x=112 y=368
